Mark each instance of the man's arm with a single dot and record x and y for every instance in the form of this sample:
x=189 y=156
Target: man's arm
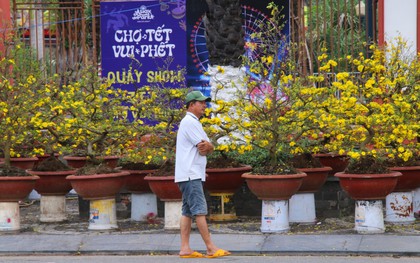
x=205 y=147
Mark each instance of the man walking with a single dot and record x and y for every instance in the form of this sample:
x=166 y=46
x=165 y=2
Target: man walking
x=192 y=146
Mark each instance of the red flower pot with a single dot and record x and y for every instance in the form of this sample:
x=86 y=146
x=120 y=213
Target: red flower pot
x=16 y=188
x=314 y=180
x=409 y=180
x=52 y=182
x=80 y=161
x=135 y=182
x=164 y=187
x=368 y=186
x=337 y=162
x=98 y=186
x=23 y=162
x=225 y=180
x=274 y=187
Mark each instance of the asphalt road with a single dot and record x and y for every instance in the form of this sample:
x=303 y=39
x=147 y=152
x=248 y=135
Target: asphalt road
x=176 y=259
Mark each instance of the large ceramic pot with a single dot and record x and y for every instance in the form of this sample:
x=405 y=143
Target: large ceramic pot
x=409 y=180
x=12 y=190
x=135 y=182
x=274 y=187
x=16 y=188
x=337 y=162
x=52 y=182
x=80 y=161
x=314 y=179
x=222 y=183
x=274 y=191
x=23 y=163
x=164 y=187
x=368 y=190
x=225 y=180
x=368 y=186
x=98 y=186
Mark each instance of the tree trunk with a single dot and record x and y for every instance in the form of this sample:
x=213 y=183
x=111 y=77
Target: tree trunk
x=224 y=32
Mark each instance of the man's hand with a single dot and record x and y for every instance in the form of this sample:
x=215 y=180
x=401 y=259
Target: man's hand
x=205 y=147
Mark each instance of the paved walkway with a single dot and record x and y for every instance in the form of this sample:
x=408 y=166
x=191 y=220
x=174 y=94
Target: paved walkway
x=243 y=244
x=328 y=237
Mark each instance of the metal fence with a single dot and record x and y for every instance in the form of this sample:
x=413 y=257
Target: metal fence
x=340 y=27
x=56 y=30
x=65 y=33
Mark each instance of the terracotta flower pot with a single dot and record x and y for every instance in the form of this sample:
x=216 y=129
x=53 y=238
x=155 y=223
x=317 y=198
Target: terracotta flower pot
x=16 y=188
x=314 y=180
x=23 y=162
x=135 y=182
x=410 y=179
x=164 y=187
x=337 y=162
x=274 y=187
x=52 y=182
x=368 y=186
x=98 y=186
x=80 y=161
x=225 y=180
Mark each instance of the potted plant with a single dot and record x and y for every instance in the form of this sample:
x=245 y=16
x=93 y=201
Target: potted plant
x=19 y=74
x=141 y=160
x=264 y=115
x=92 y=119
x=99 y=184
x=224 y=171
x=363 y=118
x=91 y=125
x=156 y=113
x=403 y=144
x=20 y=78
x=157 y=110
x=368 y=181
x=53 y=187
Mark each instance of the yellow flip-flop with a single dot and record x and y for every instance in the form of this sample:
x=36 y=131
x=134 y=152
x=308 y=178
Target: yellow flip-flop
x=219 y=253
x=194 y=254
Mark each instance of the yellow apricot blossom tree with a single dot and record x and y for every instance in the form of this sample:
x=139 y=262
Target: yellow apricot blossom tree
x=271 y=112
x=156 y=111
x=374 y=110
x=20 y=77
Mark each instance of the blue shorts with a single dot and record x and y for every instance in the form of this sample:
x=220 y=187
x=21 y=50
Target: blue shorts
x=193 y=199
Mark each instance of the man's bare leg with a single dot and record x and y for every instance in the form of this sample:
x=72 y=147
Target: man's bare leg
x=185 y=226
x=201 y=222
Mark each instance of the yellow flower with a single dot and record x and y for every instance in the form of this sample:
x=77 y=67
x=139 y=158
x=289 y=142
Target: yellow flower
x=401 y=149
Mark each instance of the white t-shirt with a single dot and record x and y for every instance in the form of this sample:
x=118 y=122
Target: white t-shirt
x=189 y=164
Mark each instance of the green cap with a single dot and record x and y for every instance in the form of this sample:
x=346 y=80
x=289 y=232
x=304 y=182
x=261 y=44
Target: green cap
x=196 y=95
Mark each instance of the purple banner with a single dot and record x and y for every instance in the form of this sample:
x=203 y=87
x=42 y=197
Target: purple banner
x=143 y=42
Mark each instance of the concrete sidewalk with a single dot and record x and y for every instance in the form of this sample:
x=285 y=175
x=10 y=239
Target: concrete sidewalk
x=330 y=236
x=240 y=244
